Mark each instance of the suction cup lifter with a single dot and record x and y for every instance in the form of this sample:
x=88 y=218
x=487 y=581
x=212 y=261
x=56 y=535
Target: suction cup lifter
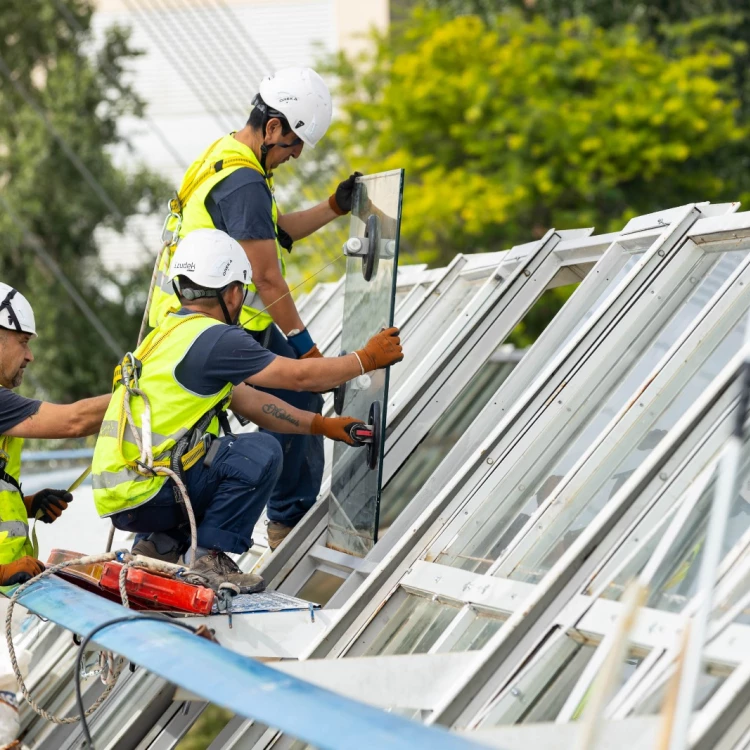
x=370 y=248
x=370 y=434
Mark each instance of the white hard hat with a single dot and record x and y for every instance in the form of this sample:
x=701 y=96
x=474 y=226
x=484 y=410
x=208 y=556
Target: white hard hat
x=211 y=258
x=15 y=311
x=303 y=98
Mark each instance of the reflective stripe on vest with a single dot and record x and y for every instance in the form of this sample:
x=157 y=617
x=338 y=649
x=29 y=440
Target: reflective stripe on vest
x=196 y=216
x=119 y=483
x=14 y=520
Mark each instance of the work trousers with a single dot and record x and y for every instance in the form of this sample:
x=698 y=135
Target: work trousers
x=302 y=472
x=227 y=497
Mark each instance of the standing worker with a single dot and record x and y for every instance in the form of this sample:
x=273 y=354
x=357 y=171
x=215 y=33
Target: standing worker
x=27 y=418
x=230 y=188
x=180 y=381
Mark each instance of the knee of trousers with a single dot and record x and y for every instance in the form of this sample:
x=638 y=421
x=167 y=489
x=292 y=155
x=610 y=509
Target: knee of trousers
x=261 y=444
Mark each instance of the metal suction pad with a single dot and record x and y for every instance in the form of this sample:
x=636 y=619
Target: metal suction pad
x=370 y=261
x=373 y=448
x=339 y=392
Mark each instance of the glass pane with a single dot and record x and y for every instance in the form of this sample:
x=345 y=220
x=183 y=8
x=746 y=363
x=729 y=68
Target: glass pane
x=491 y=530
x=423 y=337
x=478 y=633
x=414 y=628
x=708 y=683
x=320 y=587
x=453 y=423
x=326 y=320
x=579 y=514
x=368 y=307
x=675 y=581
x=541 y=691
x=619 y=276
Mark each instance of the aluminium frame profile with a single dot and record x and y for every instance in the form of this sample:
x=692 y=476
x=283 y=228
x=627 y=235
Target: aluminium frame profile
x=577 y=563
x=356 y=613
x=524 y=273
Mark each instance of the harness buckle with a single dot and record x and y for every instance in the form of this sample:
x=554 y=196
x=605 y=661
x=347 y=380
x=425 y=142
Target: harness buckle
x=149 y=470
x=130 y=370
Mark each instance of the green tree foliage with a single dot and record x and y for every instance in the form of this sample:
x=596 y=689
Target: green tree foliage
x=511 y=125
x=49 y=49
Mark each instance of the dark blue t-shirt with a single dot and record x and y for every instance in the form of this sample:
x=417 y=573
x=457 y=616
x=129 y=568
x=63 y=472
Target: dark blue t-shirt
x=241 y=206
x=221 y=354
x=15 y=409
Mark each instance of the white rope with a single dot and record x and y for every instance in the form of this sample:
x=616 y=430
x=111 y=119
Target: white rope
x=110 y=665
x=111 y=675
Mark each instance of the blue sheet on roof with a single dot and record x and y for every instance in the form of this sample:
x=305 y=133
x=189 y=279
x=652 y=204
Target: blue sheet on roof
x=240 y=684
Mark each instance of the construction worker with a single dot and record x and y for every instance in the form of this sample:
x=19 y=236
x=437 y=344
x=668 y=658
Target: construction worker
x=27 y=418
x=230 y=187
x=180 y=381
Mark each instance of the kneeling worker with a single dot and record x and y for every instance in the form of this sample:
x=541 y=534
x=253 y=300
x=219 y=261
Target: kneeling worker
x=178 y=385
x=27 y=418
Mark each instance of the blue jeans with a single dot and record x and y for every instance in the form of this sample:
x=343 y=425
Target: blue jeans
x=227 y=498
x=302 y=474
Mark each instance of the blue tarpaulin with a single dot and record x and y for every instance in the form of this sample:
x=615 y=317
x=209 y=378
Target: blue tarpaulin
x=240 y=684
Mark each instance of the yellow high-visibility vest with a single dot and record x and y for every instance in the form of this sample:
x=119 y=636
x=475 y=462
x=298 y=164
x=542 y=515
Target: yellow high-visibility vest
x=14 y=520
x=220 y=160
x=120 y=483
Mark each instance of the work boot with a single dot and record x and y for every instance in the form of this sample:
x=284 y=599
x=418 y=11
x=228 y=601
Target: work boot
x=217 y=568
x=277 y=533
x=159 y=547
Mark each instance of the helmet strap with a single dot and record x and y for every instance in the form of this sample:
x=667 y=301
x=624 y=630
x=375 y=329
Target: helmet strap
x=5 y=305
x=225 y=310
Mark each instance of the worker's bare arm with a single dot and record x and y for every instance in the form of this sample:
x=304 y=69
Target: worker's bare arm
x=320 y=374
x=270 y=412
x=64 y=420
x=301 y=224
x=271 y=285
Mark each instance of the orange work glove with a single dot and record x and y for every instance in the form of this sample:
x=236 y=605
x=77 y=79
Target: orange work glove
x=335 y=428
x=314 y=353
x=382 y=350
x=51 y=502
x=20 y=571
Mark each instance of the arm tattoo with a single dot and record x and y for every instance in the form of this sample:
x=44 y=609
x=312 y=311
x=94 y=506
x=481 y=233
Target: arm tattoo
x=279 y=413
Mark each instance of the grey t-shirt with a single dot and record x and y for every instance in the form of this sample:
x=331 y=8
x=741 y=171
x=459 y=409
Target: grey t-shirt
x=15 y=409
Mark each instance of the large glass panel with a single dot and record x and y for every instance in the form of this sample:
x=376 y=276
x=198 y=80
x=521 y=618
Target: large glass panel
x=454 y=422
x=368 y=307
x=414 y=627
x=323 y=324
x=542 y=690
x=477 y=634
x=490 y=531
x=424 y=336
x=577 y=515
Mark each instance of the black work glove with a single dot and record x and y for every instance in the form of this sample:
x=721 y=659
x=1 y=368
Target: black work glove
x=341 y=201
x=51 y=502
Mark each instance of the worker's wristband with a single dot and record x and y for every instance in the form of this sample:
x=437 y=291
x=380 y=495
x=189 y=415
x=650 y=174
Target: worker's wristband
x=361 y=366
x=301 y=342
